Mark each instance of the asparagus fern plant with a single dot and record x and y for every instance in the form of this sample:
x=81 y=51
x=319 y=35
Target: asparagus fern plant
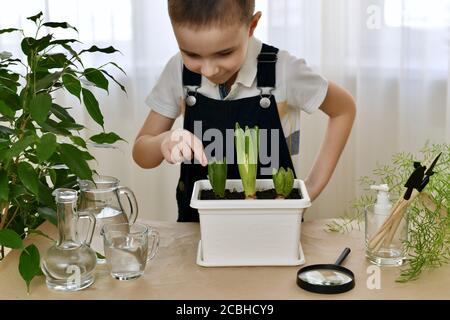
x=283 y=180
x=428 y=244
x=247 y=147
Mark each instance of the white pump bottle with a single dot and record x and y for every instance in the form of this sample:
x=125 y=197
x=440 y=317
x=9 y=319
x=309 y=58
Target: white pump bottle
x=383 y=204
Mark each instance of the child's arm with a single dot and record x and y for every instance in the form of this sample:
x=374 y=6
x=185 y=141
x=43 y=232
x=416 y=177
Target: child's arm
x=156 y=142
x=340 y=107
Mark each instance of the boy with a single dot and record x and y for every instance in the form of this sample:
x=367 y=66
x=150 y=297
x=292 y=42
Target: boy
x=224 y=75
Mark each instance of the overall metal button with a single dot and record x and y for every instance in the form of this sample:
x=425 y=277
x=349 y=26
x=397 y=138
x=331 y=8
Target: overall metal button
x=264 y=102
x=191 y=100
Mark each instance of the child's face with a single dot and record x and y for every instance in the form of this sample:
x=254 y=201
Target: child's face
x=216 y=53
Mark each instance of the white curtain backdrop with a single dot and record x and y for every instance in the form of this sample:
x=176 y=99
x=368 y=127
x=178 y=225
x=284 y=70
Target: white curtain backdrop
x=392 y=55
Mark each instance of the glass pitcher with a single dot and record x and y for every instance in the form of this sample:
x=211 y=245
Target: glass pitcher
x=69 y=264
x=102 y=196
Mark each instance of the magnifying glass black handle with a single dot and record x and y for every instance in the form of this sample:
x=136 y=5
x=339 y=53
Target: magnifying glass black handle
x=342 y=257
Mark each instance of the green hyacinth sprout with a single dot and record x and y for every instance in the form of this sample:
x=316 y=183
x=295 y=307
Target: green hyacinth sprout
x=217 y=175
x=283 y=180
x=247 y=145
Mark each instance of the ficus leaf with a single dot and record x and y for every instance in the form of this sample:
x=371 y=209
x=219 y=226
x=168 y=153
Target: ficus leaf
x=97 y=78
x=43 y=42
x=69 y=125
x=30 y=45
x=29 y=264
x=71 y=182
x=40 y=106
x=28 y=176
x=99 y=255
x=52 y=61
x=45 y=195
x=63 y=25
x=47 y=81
x=6 y=131
x=4 y=144
x=72 y=85
x=72 y=52
x=63 y=41
x=9 y=30
x=92 y=106
x=52 y=126
x=10 y=91
x=6 y=110
x=52 y=174
x=4 y=185
x=61 y=113
x=122 y=87
x=26 y=45
x=109 y=49
x=73 y=158
x=46 y=147
x=9 y=80
x=5 y=54
x=87 y=156
x=9 y=75
x=108 y=138
x=19 y=146
x=10 y=239
x=35 y=17
x=118 y=67
x=48 y=214
x=17 y=191
x=78 y=141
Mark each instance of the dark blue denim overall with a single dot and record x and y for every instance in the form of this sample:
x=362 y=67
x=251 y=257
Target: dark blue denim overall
x=223 y=115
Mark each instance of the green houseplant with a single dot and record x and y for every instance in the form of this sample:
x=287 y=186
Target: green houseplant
x=283 y=180
x=217 y=175
x=428 y=244
x=247 y=147
x=40 y=144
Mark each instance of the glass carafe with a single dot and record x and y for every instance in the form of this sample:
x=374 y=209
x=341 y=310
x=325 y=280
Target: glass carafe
x=103 y=197
x=69 y=264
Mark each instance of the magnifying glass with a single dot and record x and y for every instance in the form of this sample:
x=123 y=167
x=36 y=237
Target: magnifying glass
x=327 y=278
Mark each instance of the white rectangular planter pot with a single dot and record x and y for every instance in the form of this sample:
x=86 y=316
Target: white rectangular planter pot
x=250 y=232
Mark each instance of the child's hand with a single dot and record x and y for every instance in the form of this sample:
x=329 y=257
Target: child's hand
x=178 y=146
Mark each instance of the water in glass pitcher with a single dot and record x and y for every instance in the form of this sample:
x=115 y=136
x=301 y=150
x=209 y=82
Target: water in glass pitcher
x=105 y=216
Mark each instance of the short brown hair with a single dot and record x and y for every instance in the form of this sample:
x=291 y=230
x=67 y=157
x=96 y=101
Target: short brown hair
x=203 y=13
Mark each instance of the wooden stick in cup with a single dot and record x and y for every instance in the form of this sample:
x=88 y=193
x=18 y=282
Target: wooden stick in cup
x=389 y=227
x=385 y=226
x=379 y=237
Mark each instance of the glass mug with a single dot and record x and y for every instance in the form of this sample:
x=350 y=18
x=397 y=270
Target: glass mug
x=103 y=197
x=127 y=249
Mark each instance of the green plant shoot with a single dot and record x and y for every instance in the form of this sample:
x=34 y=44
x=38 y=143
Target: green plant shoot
x=247 y=146
x=217 y=175
x=283 y=180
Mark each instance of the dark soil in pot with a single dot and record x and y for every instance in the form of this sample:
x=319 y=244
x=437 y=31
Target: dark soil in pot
x=268 y=194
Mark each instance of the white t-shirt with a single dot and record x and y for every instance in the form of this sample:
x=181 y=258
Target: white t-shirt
x=298 y=89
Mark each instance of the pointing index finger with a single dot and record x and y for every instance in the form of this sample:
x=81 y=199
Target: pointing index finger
x=197 y=147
